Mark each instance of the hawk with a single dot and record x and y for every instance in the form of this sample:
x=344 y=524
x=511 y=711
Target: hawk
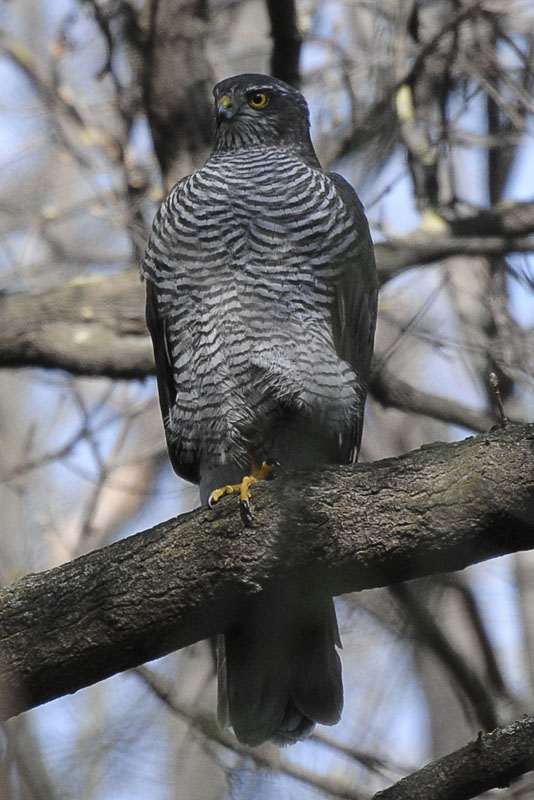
x=261 y=303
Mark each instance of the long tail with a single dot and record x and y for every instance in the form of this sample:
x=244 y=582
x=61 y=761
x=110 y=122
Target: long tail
x=279 y=672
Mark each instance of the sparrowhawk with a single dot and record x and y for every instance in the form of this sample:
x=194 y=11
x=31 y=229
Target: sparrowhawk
x=261 y=303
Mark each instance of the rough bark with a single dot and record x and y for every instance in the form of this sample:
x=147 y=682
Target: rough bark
x=436 y=509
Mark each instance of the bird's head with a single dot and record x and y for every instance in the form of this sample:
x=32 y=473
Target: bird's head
x=253 y=110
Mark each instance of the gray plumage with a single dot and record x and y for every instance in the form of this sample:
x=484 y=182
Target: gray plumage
x=261 y=303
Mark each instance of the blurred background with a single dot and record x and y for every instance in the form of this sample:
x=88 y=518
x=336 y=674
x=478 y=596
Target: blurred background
x=425 y=106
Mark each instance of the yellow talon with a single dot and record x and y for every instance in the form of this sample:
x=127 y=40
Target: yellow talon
x=216 y=495
x=244 y=488
x=257 y=474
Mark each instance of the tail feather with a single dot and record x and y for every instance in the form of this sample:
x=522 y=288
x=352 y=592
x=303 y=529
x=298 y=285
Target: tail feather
x=279 y=671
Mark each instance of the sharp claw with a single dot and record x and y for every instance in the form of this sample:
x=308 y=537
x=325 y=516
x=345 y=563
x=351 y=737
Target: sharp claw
x=265 y=472
x=246 y=512
x=212 y=501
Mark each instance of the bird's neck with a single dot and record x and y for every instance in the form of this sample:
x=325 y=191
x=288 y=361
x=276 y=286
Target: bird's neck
x=303 y=151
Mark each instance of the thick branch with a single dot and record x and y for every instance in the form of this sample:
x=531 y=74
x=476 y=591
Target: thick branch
x=440 y=508
x=89 y=326
x=491 y=761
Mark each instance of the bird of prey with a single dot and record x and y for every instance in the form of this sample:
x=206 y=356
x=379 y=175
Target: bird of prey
x=261 y=304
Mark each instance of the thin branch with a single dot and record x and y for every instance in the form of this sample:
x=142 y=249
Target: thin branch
x=427 y=48
x=492 y=669
x=492 y=761
x=265 y=756
x=393 y=392
x=431 y=635
x=384 y=767
x=30 y=761
x=397 y=255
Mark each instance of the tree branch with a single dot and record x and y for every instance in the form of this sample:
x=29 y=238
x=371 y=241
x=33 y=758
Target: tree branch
x=503 y=229
x=492 y=761
x=397 y=255
x=392 y=392
x=89 y=326
x=429 y=633
x=439 y=508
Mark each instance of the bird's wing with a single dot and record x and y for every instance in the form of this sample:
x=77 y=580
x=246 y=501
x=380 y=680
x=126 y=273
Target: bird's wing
x=354 y=312
x=157 y=325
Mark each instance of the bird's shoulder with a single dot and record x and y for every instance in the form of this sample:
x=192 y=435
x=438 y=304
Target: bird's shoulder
x=348 y=194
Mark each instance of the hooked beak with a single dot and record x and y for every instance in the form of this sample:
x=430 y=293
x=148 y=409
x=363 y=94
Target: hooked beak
x=226 y=108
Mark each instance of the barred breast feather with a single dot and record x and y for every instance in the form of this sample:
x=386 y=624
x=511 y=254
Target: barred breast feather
x=246 y=259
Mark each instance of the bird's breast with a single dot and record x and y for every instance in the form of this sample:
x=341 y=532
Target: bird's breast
x=263 y=215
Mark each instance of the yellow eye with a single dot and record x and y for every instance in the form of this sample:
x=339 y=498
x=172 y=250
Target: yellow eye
x=258 y=99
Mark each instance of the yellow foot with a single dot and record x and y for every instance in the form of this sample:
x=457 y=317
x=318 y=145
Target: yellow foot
x=263 y=473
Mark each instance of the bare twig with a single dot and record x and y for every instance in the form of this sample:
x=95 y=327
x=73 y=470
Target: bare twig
x=266 y=756
x=393 y=392
x=429 y=633
x=494 y=381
